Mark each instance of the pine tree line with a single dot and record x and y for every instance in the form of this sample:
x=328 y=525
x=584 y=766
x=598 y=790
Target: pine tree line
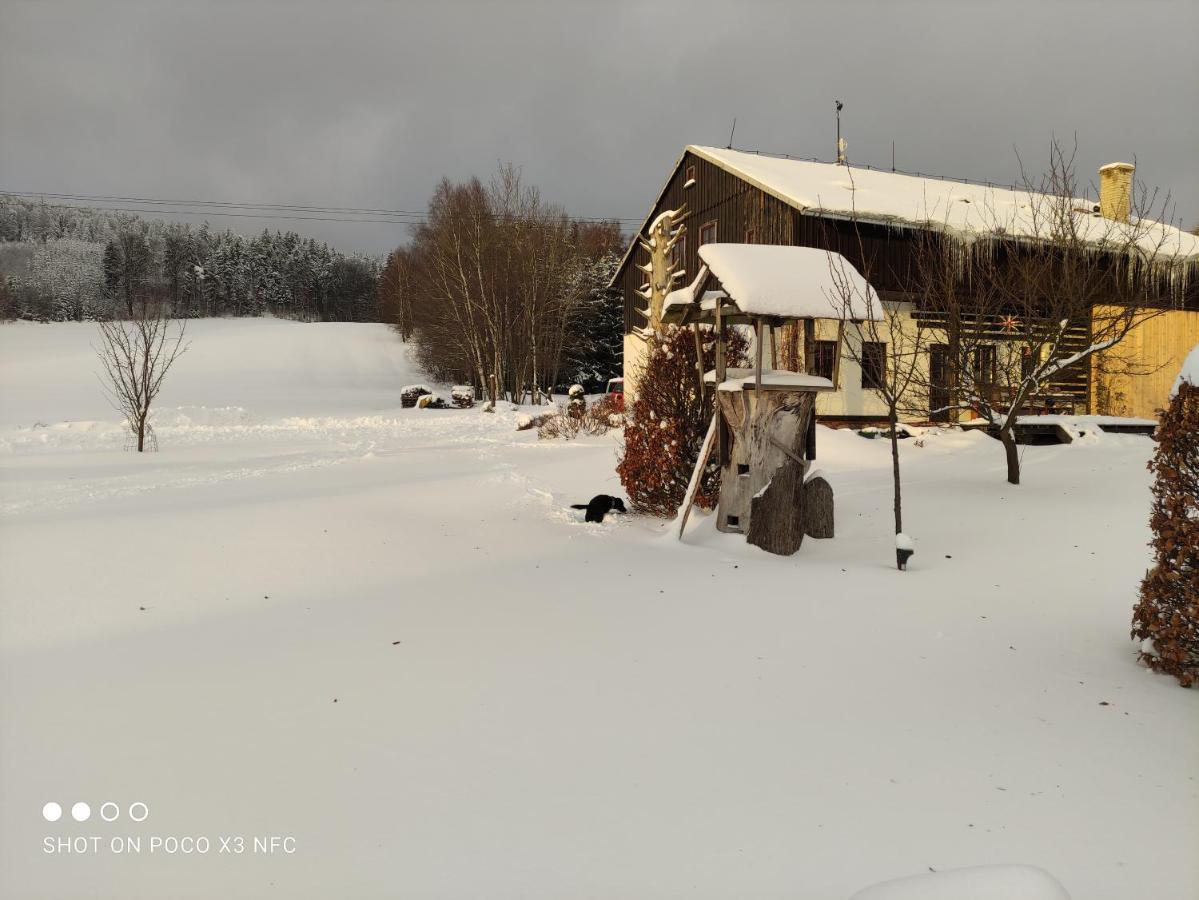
x=60 y=264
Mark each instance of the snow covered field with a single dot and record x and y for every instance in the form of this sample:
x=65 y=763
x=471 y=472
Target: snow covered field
x=382 y=633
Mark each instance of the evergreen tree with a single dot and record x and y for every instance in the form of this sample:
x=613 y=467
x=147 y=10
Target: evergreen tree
x=594 y=347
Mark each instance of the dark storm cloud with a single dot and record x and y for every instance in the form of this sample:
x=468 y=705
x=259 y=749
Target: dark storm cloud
x=368 y=104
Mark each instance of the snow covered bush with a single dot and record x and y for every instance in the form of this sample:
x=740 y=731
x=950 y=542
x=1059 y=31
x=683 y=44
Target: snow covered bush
x=606 y=412
x=1166 y=620
x=576 y=403
x=579 y=418
x=666 y=425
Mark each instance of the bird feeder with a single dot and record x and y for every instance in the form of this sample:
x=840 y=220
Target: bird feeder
x=763 y=430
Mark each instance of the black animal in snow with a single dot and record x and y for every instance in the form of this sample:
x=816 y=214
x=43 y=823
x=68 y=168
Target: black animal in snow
x=600 y=506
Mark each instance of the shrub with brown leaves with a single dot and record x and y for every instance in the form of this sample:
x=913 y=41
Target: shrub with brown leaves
x=578 y=418
x=666 y=426
x=1166 y=620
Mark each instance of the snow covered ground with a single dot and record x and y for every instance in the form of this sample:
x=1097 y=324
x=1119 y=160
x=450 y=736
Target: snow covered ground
x=382 y=633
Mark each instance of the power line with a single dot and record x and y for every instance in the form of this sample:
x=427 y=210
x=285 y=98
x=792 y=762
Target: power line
x=360 y=215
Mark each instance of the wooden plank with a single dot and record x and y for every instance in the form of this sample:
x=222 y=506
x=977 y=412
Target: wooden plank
x=697 y=475
x=722 y=431
x=837 y=358
x=758 y=367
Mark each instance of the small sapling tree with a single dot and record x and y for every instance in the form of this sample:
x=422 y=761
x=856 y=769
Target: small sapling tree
x=888 y=350
x=136 y=353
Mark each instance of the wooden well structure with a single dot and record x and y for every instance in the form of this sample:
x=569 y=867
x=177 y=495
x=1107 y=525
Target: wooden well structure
x=763 y=430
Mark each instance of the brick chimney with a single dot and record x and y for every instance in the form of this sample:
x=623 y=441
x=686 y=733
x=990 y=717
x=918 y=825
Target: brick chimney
x=1115 y=190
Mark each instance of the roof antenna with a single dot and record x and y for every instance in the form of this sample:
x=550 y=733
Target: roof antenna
x=731 y=130
x=840 y=141
x=892 y=156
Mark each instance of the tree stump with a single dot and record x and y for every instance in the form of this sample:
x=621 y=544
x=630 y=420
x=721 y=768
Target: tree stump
x=776 y=522
x=818 y=508
x=761 y=488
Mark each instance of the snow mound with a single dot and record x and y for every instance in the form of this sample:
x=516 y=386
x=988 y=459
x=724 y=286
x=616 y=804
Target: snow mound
x=1189 y=372
x=1002 y=882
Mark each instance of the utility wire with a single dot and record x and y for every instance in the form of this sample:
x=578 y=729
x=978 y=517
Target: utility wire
x=363 y=215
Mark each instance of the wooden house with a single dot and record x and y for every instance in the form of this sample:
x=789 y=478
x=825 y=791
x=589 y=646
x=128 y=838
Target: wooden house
x=873 y=218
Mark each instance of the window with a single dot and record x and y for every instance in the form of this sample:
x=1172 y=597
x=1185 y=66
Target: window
x=749 y=235
x=983 y=368
x=689 y=176
x=678 y=254
x=1027 y=363
x=824 y=356
x=874 y=364
x=707 y=233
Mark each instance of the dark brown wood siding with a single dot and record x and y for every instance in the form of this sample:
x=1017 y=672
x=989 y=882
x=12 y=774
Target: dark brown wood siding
x=738 y=208
x=733 y=204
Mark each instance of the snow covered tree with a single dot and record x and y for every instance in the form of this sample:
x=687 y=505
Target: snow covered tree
x=1166 y=620
x=594 y=346
x=668 y=421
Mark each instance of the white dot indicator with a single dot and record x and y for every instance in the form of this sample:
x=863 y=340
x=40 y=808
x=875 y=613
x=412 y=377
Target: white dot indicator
x=135 y=809
x=51 y=812
x=81 y=812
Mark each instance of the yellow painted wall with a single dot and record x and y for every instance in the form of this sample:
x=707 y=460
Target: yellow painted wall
x=635 y=350
x=1156 y=348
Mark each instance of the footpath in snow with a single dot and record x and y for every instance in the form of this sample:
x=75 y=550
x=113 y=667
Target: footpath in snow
x=384 y=634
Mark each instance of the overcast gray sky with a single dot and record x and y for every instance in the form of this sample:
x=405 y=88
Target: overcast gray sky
x=367 y=104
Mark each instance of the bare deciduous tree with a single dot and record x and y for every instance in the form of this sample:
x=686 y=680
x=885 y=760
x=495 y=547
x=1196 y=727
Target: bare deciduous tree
x=494 y=284
x=1022 y=309
x=136 y=353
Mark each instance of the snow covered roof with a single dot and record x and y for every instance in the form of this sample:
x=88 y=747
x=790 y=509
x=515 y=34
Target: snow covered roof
x=963 y=209
x=789 y=282
x=776 y=379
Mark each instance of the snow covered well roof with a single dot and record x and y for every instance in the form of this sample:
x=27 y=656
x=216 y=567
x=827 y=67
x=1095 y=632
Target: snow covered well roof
x=788 y=282
x=963 y=209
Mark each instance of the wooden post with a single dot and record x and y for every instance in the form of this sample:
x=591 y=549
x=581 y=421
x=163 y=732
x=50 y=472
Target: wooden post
x=697 y=475
x=809 y=344
x=837 y=358
x=722 y=429
x=774 y=352
x=699 y=360
x=758 y=369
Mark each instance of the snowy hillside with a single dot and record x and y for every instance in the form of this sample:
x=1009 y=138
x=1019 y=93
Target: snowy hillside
x=383 y=633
